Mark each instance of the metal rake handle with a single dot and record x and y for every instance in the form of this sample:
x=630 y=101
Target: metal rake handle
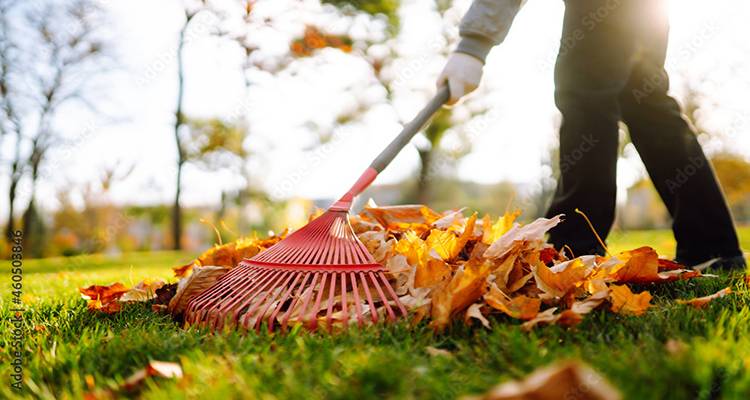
x=390 y=152
x=410 y=129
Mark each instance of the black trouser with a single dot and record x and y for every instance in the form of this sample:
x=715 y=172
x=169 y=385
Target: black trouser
x=611 y=68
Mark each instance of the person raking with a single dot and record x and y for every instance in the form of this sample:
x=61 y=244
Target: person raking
x=610 y=68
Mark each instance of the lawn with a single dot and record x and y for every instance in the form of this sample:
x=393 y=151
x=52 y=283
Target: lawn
x=70 y=350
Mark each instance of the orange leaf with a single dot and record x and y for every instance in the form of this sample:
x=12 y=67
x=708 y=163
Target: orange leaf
x=520 y=307
x=625 y=302
x=700 y=302
x=104 y=298
x=467 y=285
x=431 y=273
x=403 y=218
x=558 y=284
x=183 y=271
x=640 y=266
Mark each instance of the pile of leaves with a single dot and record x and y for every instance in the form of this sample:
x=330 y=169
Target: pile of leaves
x=446 y=266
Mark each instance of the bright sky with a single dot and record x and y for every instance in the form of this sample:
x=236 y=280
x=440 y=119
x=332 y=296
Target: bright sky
x=709 y=40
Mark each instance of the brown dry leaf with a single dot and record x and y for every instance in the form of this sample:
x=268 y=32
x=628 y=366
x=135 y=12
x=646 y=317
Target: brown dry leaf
x=675 y=347
x=520 y=307
x=547 y=316
x=435 y=352
x=700 y=302
x=144 y=290
x=562 y=380
x=475 y=311
x=201 y=279
x=104 y=298
x=625 y=302
x=160 y=369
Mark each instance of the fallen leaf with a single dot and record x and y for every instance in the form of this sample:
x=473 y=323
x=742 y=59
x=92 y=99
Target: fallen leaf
x=435 y=352
x=558 y=284
x=475 y=311
x=625 y=302
x=467 y=285
x=675 y=346
x=104 y=298
x=184 y=270
x=519 y=307
x=201 y=279
x=491 y=232
x=159 y=369
x=562 y=380
x=144 y=290
x=533 y=232
x=700 y=302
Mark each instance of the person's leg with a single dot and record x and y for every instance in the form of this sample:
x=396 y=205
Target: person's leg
x=673 y=157
x=591 y=71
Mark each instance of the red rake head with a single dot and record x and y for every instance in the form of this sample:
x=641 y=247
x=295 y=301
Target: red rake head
x=320 y=273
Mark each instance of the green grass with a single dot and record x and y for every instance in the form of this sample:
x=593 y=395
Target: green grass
x=64 y=343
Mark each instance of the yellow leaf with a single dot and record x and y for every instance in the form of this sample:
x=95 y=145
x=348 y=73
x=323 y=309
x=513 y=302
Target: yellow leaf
x=491 y=232
x=625 y=302
x=443 y=242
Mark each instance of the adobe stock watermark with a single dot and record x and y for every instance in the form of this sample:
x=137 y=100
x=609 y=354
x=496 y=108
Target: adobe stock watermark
x=15 y=336
x=682 y=175
x=569 y=160
x=588 y=23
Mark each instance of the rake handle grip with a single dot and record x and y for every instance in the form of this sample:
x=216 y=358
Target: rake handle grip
x=410 y=129
x=390 y=152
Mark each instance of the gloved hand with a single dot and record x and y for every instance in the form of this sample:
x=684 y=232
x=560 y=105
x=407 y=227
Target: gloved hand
x=462 y=73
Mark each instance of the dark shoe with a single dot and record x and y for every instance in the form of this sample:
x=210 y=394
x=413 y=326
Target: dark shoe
x=735 y=263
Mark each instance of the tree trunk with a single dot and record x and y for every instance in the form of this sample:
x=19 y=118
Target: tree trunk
x=177 y=213
x=423 y=182
x=11 y=226
x=178 y=123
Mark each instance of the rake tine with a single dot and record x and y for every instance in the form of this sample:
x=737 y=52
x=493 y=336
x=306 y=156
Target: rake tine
x=272 y=318
x=344 y=301
x=390 y=291
x=294 y=302
x=308 y=297
x=249 y=290
x=369 y=298
x=250 y=317
x=331 y=296
x=316 y=308
x=391 y=315
x=254 y=305
x=357 y=304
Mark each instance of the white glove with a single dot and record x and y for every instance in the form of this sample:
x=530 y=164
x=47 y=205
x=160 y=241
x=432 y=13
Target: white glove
x=462 y=72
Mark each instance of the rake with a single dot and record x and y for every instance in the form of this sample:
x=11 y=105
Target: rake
x=319 y=274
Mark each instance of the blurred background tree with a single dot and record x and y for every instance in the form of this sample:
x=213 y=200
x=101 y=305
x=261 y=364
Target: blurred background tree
x=48 y=61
